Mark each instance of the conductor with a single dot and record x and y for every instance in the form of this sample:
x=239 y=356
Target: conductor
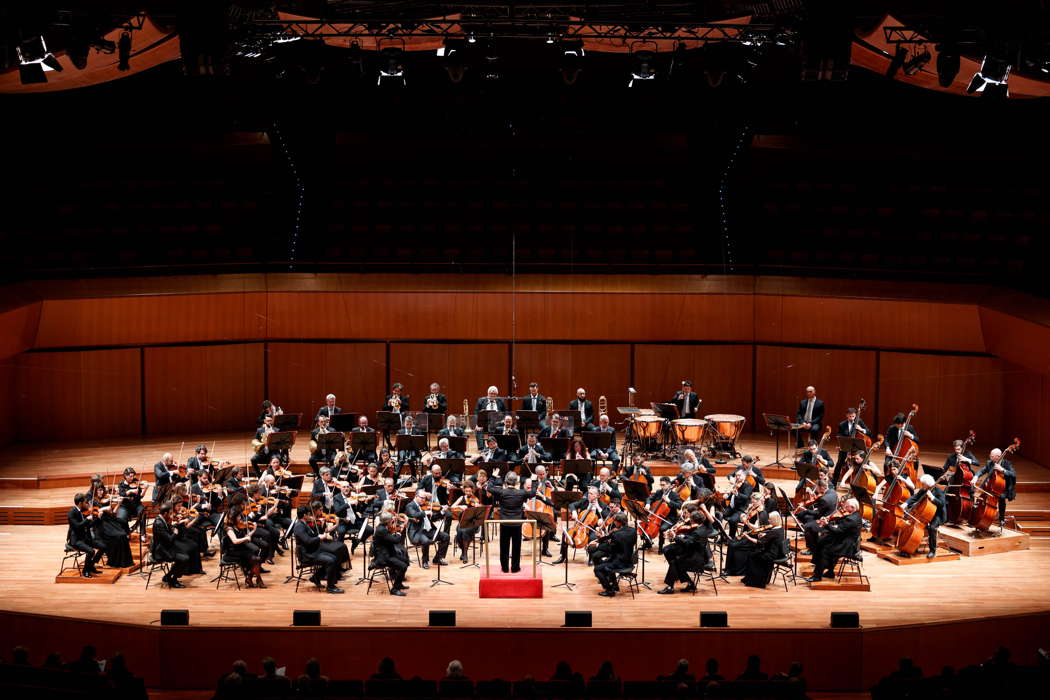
x=511 y=502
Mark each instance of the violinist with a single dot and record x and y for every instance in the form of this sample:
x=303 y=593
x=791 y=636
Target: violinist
x=595 y=553
x=320 y=456
x=809 y=417
x=389 y=552
x=813 y=456
x=265 y=534
x=929 y=490
x=328 y=522
x=895 y=433
x=387 y=493
x=610 y=453
x=309 y=538
x=451 y=428
x=997 y=462
x=590 y=503
x=737 y=500
x=438 y=487
x=617 y=552
x=164 y=474
x=131 y=490
x=164 y=546
x=199 y=462
x=362 y=427
x=824 y=503
x=669 y=496
x=387 y=466
x=687 y=552
x=190 y=539
x=852 y=426
x=422 y=529
x=769 y=545
x=741 y=547
x=209 y=498
x=80 y=537
x=282 y=503
x=770 y=502
x=840 y=537
x=352 y=521
x=108 y=528
x=240 y=547
x=531 y=453
x=491 y=453
x=465 y=535
x=637 y=466
x=443 y=452
x=235 y=482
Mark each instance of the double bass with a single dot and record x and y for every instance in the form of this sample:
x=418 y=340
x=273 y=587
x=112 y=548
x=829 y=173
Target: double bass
x=908 y=448
x=853 y=433
x=913 y=531
x=959 y=493
x=863 y=479
x=889 y=515
x=989 y=493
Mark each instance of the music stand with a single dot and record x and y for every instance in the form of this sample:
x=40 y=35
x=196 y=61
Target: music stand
x=457 y=443
x=578 y=467
x=850 y=445
x=777 y=424
x=597 y=440
x=562 y=499
x=331 y=441
x=474 y=517
x=363 y=442
x=557 y=448
x=452 y=467
x=808 y=470
x=527 y=420
x=219 y=476
x=546 y=524
x=667 y=411
x=287 y=421
x=635 y=490
x=635 y=507
x=486 y=419
x=510 y=443
x=388 y=423
x=279 y=442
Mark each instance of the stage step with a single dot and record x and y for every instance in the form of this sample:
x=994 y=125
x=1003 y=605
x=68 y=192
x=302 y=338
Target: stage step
x=919 y=557
x=965 y=541
x=107 y=576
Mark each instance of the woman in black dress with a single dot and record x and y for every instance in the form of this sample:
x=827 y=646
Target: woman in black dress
x=110 y=530
x=769 y=546
x=741 y=548
x=240 y=548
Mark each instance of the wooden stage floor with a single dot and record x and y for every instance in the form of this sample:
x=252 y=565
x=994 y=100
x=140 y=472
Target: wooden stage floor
x=919 y=593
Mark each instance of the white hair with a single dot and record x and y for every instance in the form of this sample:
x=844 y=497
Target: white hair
x=927 y=481
x=330 y=396
x=853 y=503
x=996 y=452
x=492 y=390
x=811 y=388
x=602 y=417
x=166 y=455
x=443 y=441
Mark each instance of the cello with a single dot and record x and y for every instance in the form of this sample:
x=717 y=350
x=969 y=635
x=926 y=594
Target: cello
x=578 y=533
x=907 y=447
x=990 y=491
x=960 y=493
x=538 y=506
x=913 y=533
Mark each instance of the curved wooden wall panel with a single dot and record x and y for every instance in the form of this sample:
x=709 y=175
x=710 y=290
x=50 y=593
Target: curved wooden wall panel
x=465 y=371
x=721 y=375
x=561 y=369
x=18 y=329
x=301 y=374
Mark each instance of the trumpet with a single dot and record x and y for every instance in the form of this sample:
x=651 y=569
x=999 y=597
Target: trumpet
x=432 y=401
x=395 y=404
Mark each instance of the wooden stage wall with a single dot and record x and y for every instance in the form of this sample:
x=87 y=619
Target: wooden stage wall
x=862 y=655
x=206 y=360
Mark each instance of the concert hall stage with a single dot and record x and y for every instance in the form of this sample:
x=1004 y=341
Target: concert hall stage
x=940 y=612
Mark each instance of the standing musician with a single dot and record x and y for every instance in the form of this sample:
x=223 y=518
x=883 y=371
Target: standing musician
x=851 y=427
x=451 y=428
x=840 y=538
x=770 y=545
x=674 y=502
x=583 y=411
x=531 y=453
x=362 y=427
x=329 y=408
x=263 y=455
x=388 y=550
x=737 y=500
x=997 y=462
x=810 y=417
x=637 y=466
x=577 y=510
x=164 y=546
x=511 y=502
x=436 y=402
x=959 y=455
x=421 y=528
x=490 y=402
x=610 y=453
x=269 y=408
x=617 y=551
x=80 y=537
x=687 y=552
x=309 y=538
x=491 y=453
x=396 y=401
x=535 y=401
x=686 y=400
x=241 y=548
x=895 y=433
x=321 y=456
x=816 y=457
x=929 y=490
x=823 y=506
x=465 y=535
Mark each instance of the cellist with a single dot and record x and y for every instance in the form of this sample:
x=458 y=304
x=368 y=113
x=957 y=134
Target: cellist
x=668 y=496
x=997 y=462
x=577 y=512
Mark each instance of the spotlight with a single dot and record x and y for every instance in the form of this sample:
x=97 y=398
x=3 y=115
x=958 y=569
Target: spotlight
x=472 y=39
x=124 y=51
x=991 y=78
x=391 y=67
x=644 y=68
x=916 y=63
x=34 y=60
x=947 y=64
x=571 y=62
x=454 y=53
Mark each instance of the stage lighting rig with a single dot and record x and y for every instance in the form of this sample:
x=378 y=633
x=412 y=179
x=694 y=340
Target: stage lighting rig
x=917 y=62
x=992 y=77
x=454 y=60
x=391 y=67
x=643 y=68
x=571 y=62
x=34 y=60
x=124 y=51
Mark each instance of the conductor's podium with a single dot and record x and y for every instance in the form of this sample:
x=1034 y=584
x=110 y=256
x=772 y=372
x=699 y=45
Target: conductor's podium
x=526 y=583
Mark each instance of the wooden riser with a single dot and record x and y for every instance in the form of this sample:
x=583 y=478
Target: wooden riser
x=919 y=558
x=849 y=583
x=107 y=576
x=962 y=540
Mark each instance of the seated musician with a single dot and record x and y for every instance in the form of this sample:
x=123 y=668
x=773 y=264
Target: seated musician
x=607 y=489
x=190 y=538
x=577 y=451
x=491 y=453
x=851 y=427
x=407 y=457
x=826 y=503
x=209 y=499
x=422 y=529
x=554 y=430
x=737 y=500
x=608 y=454
x=362 y=426
x=958 y=455
x=583 y=410
x=437 y=486
x=443 y=452
x=543 y=484
x=465 y=535
x=616 y=554
x=997 y=462
x=531 y=453
x=577 y=510
x=344 y=505
x=436 y=402
x=740 y=548
x=451 y=428
x=809 y=417
x=269 y=408
x=895 y=433
x=262 y=456
x=687 y=552
x=931 y=491
x=669 y=496
x=324 y=488
x=490 y=402
x=387 y=467
x=770 y=546
x=329 y=408
x=164 y=475
x=686 y=400
x=839 y=538
x=235 y=481
x=239 y=546
x=266 y=533
x=815 y=457
x=79 y=535
x=198 y=462
x=371 y=476
x=131 y=490
x=309 y=538
x=332 y=545
x=396 y=401
x=163 y=546
x=108 y=528
x=637 y=466
x=751 y=469
x=388 y=551
x=855 y=462
x=387 y=493
x=357 y=526
x=282 y=515
x=320 y=455
x=507 y=427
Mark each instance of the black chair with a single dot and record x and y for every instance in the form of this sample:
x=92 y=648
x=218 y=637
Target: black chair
x=228 y=569
x=449 y=688
x=630 y=575
x=854 y=561
x=785 y=569
x=151 y=565
x=704 y=574
x=495 y=688
x=76 y=555
x=604 y=689
x=374 y=570
x=300 y=567
x=345 y=689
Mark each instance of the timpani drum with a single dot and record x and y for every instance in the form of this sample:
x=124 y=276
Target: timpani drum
x=689 y=431
x=725 y=429
x=648 y=427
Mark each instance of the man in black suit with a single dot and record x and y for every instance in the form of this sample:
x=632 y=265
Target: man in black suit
x=511 y=501
x=997 y=462
x=423 y=531
x=895 y=433
x=840 y=538
x=490 y=402
x=810 y=518
x=686 y=400
x=388 y=549
x=851 y=427
x=443 y=451
x=554 y=429
x=535 y=401
x=435 y=402
x=672 y=499
x=577 y=511
x=609 y=454
x=320 y=456
x=617 y=553
x=432 y=484
x=491 y=453
x=531 y=453
x=451 y=428
x=810 y=417
x=507 y=427
x=164 y=548
x=407 y=456
x=367 y=456
x=740 y=500
x=929 y=490
x=812 y=456
x=329 y=409
x=80 y=537
x=309 y=544
x=582 y=411
x=398 y=406
x=164 y=476
x=687 y=553
x=265 y=453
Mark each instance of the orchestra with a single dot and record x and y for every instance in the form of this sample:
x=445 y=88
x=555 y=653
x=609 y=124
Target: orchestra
x=383 y=503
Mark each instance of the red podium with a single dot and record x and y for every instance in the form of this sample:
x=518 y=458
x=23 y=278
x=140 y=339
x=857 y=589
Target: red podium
x=496 y=584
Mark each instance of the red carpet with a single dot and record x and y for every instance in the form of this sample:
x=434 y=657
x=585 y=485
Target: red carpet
x=501 y=585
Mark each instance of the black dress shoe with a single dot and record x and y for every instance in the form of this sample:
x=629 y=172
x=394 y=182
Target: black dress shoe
x=559 y=560
x=334 y=589
x=464 y=559
x=426 y=565
x=709 y=567
x=176 y=584
x=440 y=562
x=87 y=574
x=547 y=554
x=514 y=571
x=608 y=594
x=264 y=571
x=207 y=555
x=813 y=579
x=906 y=555
x=931 y=555
x=666 y=591
x=397 y=591
x=689 y=589
x=403 y=587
